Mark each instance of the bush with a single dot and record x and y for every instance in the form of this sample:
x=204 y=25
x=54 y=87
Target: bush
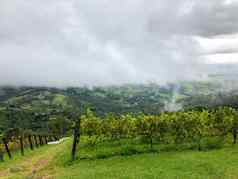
x=212 y=143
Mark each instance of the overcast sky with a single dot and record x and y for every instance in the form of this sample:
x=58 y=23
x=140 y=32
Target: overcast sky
x=102 y=42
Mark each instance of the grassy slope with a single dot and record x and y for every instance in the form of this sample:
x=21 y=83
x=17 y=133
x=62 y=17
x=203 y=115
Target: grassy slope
x=221 y=163
x=188 y=164
x=30 y=165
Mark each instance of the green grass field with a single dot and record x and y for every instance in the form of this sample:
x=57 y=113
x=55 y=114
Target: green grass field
x=54 y=162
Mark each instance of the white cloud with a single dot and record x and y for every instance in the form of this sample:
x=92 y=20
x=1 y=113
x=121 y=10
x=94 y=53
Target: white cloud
x=219 y=50
x=77 y=42
x=222 y=58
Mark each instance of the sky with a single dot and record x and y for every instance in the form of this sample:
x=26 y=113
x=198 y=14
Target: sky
x=103 y=42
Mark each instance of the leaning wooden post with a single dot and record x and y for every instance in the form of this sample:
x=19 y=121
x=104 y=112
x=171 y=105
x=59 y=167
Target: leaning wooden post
x=21 y=144
x=46 y=140
x=6 y=148
x=30 y=142
x=36 y=142
x=40 y=140
x=234 y=133
x=76 y=138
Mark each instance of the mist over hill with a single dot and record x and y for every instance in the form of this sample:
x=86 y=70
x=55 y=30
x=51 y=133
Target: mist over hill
x=148 y=98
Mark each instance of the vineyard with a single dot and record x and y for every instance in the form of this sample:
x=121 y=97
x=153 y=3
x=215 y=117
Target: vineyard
x=201 y=129
x=21 y=129
x=194 y=127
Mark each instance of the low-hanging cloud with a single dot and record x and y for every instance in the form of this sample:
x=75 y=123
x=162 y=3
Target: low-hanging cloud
x=77 y=42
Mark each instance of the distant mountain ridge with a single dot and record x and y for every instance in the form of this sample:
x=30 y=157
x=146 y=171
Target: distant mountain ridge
x=147 y=98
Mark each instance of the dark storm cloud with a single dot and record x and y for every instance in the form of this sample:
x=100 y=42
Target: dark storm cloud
x=69 y=42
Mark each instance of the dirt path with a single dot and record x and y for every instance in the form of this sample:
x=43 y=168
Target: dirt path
x=30 y=167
